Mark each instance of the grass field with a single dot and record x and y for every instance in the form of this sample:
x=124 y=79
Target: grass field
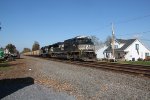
x=136 y=62
x=4 y=66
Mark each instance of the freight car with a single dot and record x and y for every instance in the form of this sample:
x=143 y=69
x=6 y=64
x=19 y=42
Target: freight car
x=33 y=53
x=78 y=48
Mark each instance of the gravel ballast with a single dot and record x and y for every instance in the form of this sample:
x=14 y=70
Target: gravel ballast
x=50 y=80
x=90 y=83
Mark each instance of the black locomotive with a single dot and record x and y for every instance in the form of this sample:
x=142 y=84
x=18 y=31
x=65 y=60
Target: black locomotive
x=78 y=48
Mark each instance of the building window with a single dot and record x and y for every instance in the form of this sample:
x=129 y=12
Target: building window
x=147 y=54
x=137 y=46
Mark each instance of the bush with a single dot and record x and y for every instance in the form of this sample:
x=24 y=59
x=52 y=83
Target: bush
x=140 y=59
x=104 y=59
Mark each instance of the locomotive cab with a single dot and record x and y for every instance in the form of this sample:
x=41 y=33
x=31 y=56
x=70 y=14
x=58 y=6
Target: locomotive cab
x=81 y=48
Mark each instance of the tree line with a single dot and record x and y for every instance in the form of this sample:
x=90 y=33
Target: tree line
x=11 y=48
x=35 y=46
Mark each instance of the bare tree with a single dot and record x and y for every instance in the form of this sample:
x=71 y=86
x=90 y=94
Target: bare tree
x=26 y=50
x=36 y=46
x=98 y=44
x=108 y=40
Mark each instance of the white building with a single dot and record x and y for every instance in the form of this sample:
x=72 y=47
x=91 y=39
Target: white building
x=130 y=49
x=100 y=52
x=6 y=51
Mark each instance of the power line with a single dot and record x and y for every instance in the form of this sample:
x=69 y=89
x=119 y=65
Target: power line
x=126 y=21
x=135 y=33
x=145 y=32
x=133 y=19
x=145 y=39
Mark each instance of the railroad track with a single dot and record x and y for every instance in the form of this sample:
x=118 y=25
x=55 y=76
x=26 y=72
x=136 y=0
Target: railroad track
x=127 y=68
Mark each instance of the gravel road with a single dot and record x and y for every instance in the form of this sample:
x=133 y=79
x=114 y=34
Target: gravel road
x=81 y=83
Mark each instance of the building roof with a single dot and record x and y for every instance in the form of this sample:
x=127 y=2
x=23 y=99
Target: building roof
x=126 y=43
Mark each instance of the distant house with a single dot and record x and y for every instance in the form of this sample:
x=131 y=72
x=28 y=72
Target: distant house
x=130 y=49
x=6 y=51
x=100 y=52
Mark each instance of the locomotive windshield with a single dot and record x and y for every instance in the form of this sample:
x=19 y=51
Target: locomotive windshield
x=84 y=41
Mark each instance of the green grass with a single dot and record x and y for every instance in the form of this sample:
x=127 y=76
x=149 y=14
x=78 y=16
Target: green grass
x=136 y=62
x=4 y=66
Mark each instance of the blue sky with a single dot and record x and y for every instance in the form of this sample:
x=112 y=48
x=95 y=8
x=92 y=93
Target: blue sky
x=50 y=21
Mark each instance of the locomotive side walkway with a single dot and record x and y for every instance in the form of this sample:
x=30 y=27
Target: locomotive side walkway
x=81 y=83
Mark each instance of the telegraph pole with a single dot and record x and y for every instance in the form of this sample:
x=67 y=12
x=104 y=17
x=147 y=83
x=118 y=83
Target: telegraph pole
x=113 y=42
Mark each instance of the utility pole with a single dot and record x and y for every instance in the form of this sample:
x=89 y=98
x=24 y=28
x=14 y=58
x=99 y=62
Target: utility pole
x=113 y=42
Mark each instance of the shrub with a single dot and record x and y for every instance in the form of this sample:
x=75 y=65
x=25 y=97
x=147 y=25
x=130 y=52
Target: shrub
x=140 y=59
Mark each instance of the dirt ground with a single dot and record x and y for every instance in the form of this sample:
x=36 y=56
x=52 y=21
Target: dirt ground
x=13 y=69
x=16 y=76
